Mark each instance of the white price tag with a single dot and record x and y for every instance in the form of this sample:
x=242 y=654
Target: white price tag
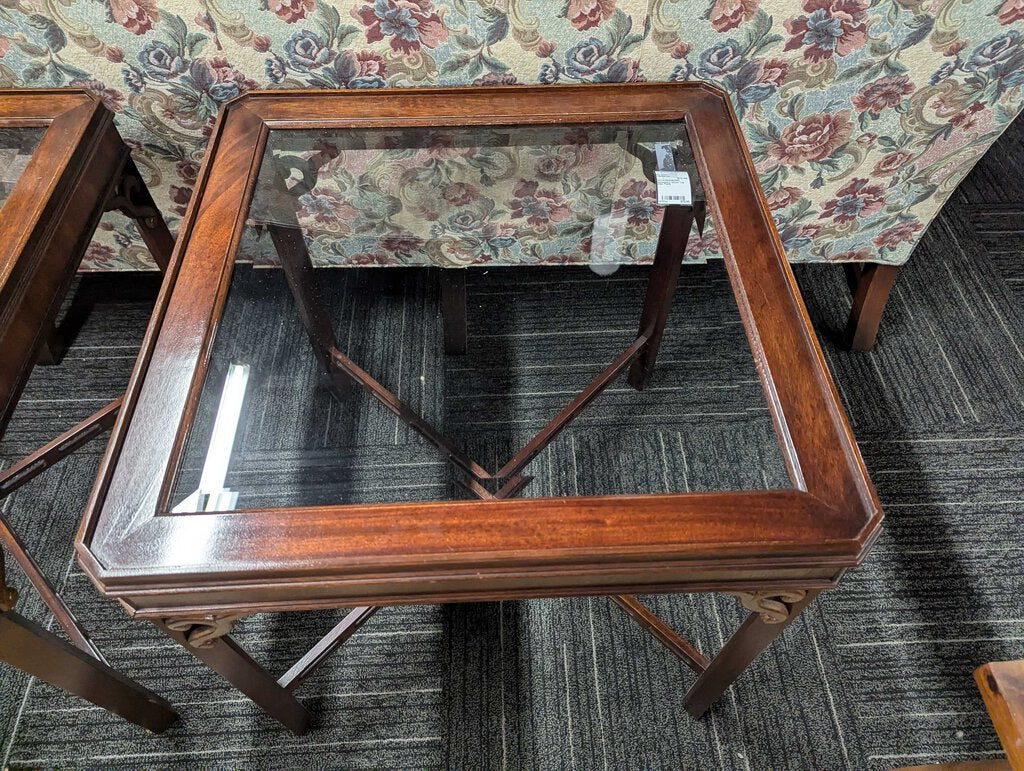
x=673 y=188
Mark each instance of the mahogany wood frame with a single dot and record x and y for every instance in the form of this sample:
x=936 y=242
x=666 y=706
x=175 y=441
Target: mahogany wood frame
x=79 y=169
x=195 y=574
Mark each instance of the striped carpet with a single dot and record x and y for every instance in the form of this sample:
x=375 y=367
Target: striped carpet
x=876 y=674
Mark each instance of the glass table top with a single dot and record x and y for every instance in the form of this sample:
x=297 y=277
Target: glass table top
x=16 y=147
x=528 y=209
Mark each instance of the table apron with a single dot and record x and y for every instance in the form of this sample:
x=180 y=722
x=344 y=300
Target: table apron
x=249 y=598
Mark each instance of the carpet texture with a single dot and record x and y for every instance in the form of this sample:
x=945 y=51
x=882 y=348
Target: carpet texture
x=876 y=674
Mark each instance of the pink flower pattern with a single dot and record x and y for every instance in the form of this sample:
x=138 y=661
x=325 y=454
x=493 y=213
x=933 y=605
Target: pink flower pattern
x=828 y=28
x=408 y=24
x=855 y=199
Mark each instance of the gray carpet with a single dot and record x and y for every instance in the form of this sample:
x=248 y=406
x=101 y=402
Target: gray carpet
x=876 y=674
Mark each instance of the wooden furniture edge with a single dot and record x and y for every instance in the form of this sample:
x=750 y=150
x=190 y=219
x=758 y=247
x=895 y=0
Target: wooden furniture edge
x=1001 y=684
x=79 y=146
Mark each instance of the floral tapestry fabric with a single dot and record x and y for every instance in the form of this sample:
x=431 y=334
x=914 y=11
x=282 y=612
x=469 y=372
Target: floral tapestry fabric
x=861 y=115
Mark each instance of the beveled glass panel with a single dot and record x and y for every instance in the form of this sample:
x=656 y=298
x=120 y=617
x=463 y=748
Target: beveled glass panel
x=550 y=228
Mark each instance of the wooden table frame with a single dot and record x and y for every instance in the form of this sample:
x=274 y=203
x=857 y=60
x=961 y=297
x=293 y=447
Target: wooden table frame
x=79 y=170
x=195 y=574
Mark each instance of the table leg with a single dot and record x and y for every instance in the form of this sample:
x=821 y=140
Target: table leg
x=209 y=642
x=34 y=650
x=774 y=612
x=661 y=288
x=453 y=309
x=61 y=612
x=298 y=272
x=133 y=199
x=128 y=194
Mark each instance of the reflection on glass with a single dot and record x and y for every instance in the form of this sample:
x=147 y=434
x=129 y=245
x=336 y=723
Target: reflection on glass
x=468 y=196
x=16 y=147
x=348 y=395
x=212 y=495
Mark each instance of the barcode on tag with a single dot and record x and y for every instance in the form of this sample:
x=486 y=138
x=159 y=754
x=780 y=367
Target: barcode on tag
x=673 y=188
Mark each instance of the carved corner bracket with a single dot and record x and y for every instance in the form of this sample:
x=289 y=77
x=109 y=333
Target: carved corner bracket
x=131 y=198
x=202 y=631
x=774 y=605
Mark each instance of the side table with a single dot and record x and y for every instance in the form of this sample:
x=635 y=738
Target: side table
x=62 y=165
x=184 y=529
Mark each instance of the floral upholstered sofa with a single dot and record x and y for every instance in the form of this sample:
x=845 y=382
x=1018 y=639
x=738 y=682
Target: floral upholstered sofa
x=861 y=115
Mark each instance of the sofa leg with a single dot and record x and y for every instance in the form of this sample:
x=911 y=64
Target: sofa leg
x=870 y=284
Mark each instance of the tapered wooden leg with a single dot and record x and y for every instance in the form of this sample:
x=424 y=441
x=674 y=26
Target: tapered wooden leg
x=1001 y=684
x=661 y=288
x=228 y=659
x=158 y=238
x=453 y=309
x=299 y=273
x=300 y=276
x=746 y=643
x=34 y=650
x=871 y=284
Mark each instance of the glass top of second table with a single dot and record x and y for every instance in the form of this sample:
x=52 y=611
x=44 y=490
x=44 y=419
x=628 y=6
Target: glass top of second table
x=17 y=144
x=525 y=210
